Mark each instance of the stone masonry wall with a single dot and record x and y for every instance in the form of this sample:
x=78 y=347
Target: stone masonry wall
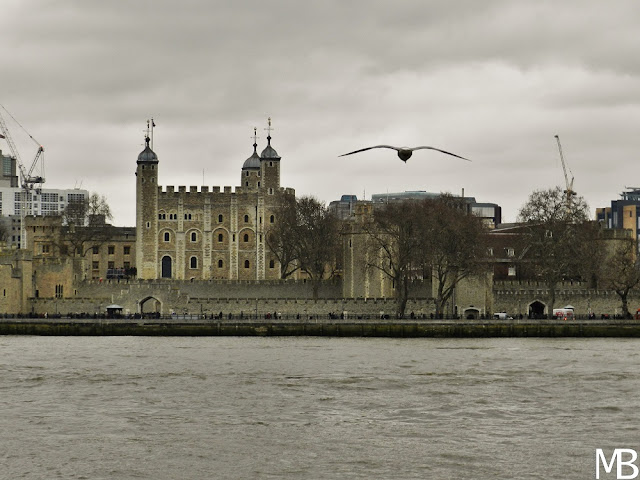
x=515 y=298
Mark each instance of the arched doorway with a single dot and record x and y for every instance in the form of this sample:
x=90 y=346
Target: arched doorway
x=536 y=309
x=471 y=313
x=150 y=306
x=166 y=267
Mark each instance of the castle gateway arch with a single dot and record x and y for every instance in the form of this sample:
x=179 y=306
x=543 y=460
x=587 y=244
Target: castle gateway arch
x=150 y=305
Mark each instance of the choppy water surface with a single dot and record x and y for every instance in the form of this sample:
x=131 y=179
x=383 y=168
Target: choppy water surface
x=317 y=408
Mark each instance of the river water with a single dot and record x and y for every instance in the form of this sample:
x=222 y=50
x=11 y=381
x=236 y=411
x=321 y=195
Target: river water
x=314 y=408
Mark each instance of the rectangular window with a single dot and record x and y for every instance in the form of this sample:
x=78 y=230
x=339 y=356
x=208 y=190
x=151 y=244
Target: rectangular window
x=127 y=250
x=75 y=197
x=127 y=265
x=96 y=250
x=6 y=166
x=95 y=265
x=112 y=249
x=111 y=265
x=512 y=271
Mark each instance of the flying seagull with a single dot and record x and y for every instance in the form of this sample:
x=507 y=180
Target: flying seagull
x=405 y=152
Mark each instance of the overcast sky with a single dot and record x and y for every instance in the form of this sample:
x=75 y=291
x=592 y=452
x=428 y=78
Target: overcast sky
x=490 y=80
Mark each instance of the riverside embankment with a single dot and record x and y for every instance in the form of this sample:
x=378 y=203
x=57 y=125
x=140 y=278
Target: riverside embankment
x=321 y=327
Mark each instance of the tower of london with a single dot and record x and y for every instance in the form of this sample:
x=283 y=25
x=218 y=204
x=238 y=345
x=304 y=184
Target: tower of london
x=212 y=233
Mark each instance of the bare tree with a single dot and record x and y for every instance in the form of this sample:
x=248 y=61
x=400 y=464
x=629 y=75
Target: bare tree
x=621 y=271
x=85 y=224
x=430 y=239
x=317 y=241
x=554 y=225
x=394 y=244
x=4 y=232
x=305 y=237
x=280 y=235
x=454 y=246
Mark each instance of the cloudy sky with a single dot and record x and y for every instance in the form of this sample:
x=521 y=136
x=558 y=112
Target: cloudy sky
x=493 y=81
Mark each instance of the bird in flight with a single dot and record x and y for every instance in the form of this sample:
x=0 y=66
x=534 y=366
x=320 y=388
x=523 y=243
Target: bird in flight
x=405 y=152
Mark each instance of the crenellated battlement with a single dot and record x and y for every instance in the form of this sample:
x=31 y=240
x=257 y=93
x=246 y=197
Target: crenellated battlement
x=170 y=190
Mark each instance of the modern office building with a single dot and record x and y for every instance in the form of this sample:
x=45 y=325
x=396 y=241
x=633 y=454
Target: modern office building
x=624 y=214
x=38 y=201
x=491 y=212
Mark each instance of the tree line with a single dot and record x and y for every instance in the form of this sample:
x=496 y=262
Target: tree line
x=439 y=240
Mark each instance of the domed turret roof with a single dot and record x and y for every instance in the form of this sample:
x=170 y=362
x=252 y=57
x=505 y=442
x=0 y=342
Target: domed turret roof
x=253 y=162
x=269 y=152
x=147 y=155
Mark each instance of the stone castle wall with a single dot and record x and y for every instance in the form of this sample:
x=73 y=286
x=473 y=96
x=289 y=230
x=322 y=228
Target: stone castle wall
x=290 y=297
x=515 y=298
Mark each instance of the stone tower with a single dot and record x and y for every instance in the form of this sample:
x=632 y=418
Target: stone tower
x=251 y=176
x=270 y=167
x=147 y=213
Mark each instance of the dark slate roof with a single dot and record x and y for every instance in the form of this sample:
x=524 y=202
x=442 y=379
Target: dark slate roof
x=269 y=152
x=253 y=162
x=147 y=155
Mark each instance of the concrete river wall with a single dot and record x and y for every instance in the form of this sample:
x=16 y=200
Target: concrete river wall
x=330 y=328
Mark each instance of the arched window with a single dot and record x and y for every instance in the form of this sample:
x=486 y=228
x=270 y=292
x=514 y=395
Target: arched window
x=246 y=237
x=193 y=262
x=272 y=219
x=246 y=219
x=220 y=238
x=220 y=218
x=272 y=264
x=167 y=237
x=194 y=237
x=220 y=263
x=246 y=264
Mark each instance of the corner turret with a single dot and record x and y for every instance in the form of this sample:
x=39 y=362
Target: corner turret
x=146 y=213
x=251 y=177
x=270 y=166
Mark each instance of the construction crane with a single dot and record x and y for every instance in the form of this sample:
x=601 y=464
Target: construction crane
x=28 y=180
x=569 y=192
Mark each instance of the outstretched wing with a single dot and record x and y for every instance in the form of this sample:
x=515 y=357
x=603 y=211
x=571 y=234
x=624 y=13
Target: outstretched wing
x=369 y=148
x=442 y=151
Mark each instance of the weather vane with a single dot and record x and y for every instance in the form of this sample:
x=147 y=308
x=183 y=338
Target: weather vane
x=269 y=128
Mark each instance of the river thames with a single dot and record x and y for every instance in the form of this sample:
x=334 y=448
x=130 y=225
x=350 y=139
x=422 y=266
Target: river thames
x=314 y=408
